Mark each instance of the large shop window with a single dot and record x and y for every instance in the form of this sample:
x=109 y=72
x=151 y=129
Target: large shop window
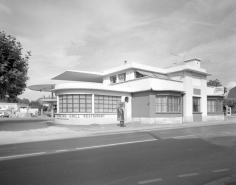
x=214 y=106
x=196 y=104
x=105 y=104
x=167 y=104
x=74 y=103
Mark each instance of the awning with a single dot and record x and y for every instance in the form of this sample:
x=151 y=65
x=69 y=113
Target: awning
x=151 y=74
x=42 y=87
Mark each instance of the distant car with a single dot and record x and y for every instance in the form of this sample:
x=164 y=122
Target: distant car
x=4 y=115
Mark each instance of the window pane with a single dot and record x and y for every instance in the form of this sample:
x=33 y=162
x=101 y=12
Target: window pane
x=76 y=100
x=88 y=105
x=82 y=110
x=89 y=96
x=76 y=96
x=89 y=101
x=76 y=105
x=89 y=110
x=76 y=109
x=105 y=101
x=105 y=106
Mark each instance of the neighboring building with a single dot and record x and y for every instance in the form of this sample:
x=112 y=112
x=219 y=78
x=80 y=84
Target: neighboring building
x=153 y=95
x=13 y=108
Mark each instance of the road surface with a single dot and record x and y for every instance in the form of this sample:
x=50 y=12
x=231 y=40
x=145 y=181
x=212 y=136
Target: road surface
x=190 y=156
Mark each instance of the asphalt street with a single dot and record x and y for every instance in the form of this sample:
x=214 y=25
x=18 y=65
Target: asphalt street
x=190 y=156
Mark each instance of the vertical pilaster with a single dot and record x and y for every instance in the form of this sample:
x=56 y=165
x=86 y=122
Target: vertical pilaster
x=92 y=103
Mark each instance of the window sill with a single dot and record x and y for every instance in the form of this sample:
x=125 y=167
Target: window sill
x=84 y=113
x=215 y=112
x=197 y=112
x=168 y=112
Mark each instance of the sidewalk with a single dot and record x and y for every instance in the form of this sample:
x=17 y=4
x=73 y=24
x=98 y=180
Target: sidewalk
x=55 y=132
x=230 y=180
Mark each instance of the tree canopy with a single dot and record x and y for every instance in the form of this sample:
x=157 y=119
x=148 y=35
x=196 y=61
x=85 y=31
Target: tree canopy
x=13 y=68
x=216 y=83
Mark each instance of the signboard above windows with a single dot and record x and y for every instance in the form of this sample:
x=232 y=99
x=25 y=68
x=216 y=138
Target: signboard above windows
x=215 y=91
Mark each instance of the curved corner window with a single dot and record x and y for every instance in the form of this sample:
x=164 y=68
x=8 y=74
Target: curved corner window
x=75 y=103
x=106 y=104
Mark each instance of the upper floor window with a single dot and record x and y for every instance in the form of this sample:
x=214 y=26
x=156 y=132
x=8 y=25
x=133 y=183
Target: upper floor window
x=122 y=77
x=139 y=75
x=113 y=79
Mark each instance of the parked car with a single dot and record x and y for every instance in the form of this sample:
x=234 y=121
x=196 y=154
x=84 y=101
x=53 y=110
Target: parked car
x=4 y=115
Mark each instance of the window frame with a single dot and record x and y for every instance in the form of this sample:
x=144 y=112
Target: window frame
x=82 y=103
x=122 y=80
x=168 y=104
x=106 y=103
x=112 y=81
x=196 y=107
x=216 y=107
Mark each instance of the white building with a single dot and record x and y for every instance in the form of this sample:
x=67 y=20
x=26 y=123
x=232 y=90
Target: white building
x=153 y=95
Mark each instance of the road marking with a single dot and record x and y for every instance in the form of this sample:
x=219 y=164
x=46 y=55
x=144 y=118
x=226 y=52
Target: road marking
x=150 y=181
x=115 y=144
x=188 y=175
x=220 y=170
x=23 y=155
x=61 y=150
x=184 y=136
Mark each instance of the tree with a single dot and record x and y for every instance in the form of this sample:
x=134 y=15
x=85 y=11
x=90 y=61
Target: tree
x=216 y=83
x=13 y=68
x=36 y=104
x=231 y=102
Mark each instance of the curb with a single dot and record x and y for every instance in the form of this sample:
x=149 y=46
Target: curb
x=229 y=180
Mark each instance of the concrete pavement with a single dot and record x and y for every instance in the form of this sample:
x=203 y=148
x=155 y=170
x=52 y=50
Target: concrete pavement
x=54 y=132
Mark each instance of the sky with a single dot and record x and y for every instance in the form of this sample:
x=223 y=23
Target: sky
x=95 y=35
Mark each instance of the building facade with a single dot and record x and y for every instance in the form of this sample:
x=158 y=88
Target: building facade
x=152 y=95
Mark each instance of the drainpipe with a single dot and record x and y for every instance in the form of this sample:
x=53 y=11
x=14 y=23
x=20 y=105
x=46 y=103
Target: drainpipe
x=182 y=108
x=52 y=112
